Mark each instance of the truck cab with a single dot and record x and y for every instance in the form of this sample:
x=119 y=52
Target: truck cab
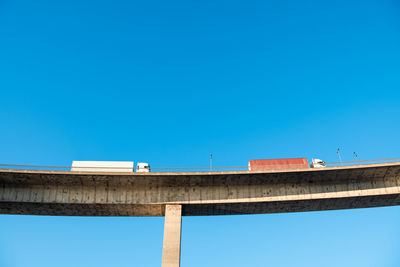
x=142 y=167
x=317 y=163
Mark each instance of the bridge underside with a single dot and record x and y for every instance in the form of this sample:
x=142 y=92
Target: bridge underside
x=62 y=209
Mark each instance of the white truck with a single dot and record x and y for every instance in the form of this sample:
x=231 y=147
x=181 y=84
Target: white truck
x=108 y=166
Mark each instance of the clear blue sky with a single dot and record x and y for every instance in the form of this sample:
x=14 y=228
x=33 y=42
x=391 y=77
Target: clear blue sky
x=168 y=82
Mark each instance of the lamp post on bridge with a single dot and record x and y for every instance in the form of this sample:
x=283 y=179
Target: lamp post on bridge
x=210 y=162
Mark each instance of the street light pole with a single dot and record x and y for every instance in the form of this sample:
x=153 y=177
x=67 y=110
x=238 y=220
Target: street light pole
x=340 y=158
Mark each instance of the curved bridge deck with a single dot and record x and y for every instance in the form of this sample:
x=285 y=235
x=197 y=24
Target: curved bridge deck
x=199 y=193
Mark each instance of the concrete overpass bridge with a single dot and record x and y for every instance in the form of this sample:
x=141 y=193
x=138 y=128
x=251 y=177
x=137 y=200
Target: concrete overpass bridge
x=35 y=192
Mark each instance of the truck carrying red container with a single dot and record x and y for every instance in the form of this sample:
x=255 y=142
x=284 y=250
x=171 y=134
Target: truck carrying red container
x=278 y=164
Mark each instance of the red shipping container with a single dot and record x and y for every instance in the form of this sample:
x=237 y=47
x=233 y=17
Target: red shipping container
x=278 y=164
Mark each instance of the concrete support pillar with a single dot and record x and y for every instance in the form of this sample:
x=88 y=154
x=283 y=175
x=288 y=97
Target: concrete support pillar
x=171 y=255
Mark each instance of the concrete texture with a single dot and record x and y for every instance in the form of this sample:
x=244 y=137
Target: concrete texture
x=208 y=193
x=171 y=256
